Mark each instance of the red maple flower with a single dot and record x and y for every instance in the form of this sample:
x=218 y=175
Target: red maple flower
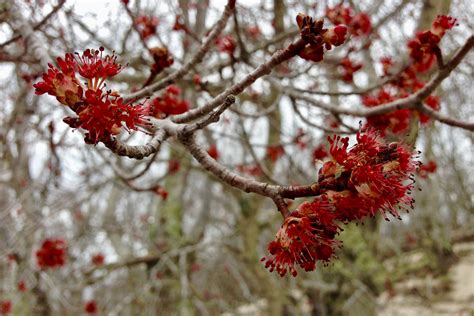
x=320 y=152
x=361 y=24
x=253 y=170
x=168 y=103
x=103 y=115
x=305 y=237
x=371 y=170
x=146 y=25
x=213 y=152
x=162 y=59
x=349 y=68
x=358 y=24
x=253 y=32
x=387 y=64
x=226 y=44
x=160 y=191
x=274 y=152
x=5 y=307
x=173 y=166
x=318 y=38
x=52 y=253
x=339 y=14
x=62 y=82
x=442 y=24
x=425 y=169
x=22 y=286
x=93 y=65
x=90 y=307
x=98 y=259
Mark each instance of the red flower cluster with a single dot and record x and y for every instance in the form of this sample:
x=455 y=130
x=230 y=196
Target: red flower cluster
x=422 y=48
x=179 y=24
x=169 y=103
x=275 y=152
x=359 y=24
x=98 y=259
x=306 y=236
x=52 y=253
x=90 y=307
x=253 y=170
x=318 y=38
x=427 y=168
x=422 y=52
x=160 y=191
x=213 y=152
x=356 y=183
x=226 y=44
x=22 y=286
x=396 y=122
x=319 y=153
x=349 y=68
x=101 y=113
x=162 y=59
x=173 y=166
x=146 y=25
x=253 y=32
x=5 y=307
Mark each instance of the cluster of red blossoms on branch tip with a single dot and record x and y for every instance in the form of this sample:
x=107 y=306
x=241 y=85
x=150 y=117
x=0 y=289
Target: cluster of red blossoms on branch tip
x=422 y=52
x=169 y=103
x=358 y=24
x=358 y=182
x=423 y=47
x=99 y=111
x=318 y=38
x=146 y=25
x=349 y=67
x=52 y=253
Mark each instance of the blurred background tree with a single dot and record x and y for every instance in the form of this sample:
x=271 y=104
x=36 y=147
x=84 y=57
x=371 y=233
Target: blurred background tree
x=161 y=235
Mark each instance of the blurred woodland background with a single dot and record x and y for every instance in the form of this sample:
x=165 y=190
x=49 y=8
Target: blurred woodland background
x=161 y=235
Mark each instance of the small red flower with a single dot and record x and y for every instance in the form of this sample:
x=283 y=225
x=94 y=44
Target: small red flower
x=5 y=307
x=162 y=59
x=159 y=190
x=173 y=166
x=253 y=32
x=318 y=38
x=90 y=307
x=320 y=152
x=52 y=253
x=442 y=24
x=358 y=24
x=275 y=152
x=62 y=82
x=425 y=169
x=213 y=152
x=361 y=24
x=146 y=25
x=92 y=64
x=349 y=68
x=306 y=236
x=98 y=259
x=22 y=286
x=226 y=44
x=103 y=115
x=169 y=103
